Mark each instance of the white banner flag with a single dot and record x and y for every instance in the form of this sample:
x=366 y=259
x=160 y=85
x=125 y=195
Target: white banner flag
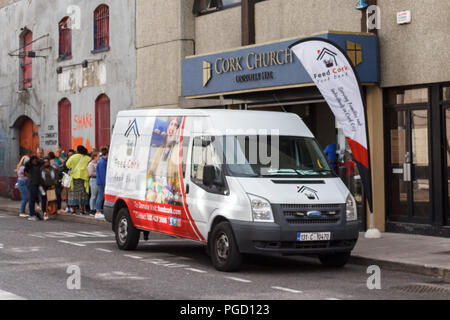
x=332 y=72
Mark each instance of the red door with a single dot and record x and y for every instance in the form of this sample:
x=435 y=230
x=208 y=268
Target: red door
x=27 y=66
x=64 y=124
x=102 y=122
x=29 y=137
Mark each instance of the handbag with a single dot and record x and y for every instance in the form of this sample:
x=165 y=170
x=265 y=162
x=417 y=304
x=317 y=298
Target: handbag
x=66 y=180
x=52 y=207
x=51 y=195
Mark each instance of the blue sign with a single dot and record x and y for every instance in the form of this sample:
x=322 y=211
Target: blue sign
x=271 y=66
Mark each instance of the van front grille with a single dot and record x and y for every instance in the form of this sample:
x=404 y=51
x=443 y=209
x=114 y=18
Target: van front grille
x=329 y=207
x=313 y=221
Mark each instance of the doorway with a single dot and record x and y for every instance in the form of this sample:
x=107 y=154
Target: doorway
x=29 y=137
x=102 y=122
x=409 y=171
x=64 y=124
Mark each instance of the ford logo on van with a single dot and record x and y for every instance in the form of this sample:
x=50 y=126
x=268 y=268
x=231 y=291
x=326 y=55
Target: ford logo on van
x=313 y=214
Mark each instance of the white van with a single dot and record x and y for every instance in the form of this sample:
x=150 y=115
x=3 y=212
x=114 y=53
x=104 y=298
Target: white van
x=238 y=181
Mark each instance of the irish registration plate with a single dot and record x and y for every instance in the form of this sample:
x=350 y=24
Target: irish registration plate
x=314 y=236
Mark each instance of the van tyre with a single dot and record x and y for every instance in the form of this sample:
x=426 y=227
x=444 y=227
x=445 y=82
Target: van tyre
x=127 y=236
x=224 y=251
x=337 y=260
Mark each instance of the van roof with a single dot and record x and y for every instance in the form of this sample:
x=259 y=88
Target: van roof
x=288 y=124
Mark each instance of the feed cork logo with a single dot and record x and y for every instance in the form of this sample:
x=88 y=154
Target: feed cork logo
x=328 y=57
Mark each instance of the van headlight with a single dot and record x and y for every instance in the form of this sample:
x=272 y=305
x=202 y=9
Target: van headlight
x=261 y=209
x=350 y=209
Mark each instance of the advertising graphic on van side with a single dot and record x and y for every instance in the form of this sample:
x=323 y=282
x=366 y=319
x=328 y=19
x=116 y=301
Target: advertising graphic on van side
x=163 y=181
x=158 y=203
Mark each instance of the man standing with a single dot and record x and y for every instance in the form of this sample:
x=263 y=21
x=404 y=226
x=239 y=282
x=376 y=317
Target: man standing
x=33 y=172
x=101 y=182
x=330 y=152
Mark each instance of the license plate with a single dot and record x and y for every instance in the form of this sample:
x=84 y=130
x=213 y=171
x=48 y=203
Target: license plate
x=314 y=236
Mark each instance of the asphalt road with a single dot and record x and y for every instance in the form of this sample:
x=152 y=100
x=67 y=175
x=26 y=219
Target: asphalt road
x=35 y=258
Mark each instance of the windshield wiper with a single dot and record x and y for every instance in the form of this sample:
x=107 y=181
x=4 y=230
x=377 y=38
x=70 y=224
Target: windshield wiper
x=290 y=171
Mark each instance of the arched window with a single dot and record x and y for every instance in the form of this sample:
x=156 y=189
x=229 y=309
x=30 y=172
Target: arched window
x=65 y=39
x=27 y=62
x=65 y=124
x=101 y=28
x=102 y=121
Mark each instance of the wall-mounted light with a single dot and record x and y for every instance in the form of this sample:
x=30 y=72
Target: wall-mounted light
x=84 y=64
x=59 y=70
x=361 y=5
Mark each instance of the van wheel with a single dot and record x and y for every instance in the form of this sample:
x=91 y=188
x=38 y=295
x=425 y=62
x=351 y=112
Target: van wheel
x=224 y=251
x=337 y=260
x=127 y=236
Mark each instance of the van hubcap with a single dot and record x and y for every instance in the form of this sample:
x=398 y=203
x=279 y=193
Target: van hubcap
x=223 y=247
x=123 y=230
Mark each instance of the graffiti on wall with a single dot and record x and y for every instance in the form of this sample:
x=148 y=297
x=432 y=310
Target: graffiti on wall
x=83 y=121
x=82 y=127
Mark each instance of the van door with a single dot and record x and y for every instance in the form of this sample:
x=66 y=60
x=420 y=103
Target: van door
x=204 y=199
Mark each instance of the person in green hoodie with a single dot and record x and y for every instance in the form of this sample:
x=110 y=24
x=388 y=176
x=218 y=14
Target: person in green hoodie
x=79 y=189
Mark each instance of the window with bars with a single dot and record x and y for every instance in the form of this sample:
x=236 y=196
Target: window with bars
x=65 y=39
x=101 y=28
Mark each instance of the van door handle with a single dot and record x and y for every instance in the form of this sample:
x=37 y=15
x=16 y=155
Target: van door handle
x=187 y=188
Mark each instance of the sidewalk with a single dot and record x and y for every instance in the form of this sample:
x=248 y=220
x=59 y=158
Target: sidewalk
x=403 y=252
x=14 y=207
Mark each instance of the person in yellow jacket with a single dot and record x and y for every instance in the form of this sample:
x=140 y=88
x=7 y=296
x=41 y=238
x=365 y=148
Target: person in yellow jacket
x=163 y=179
x=79 y=182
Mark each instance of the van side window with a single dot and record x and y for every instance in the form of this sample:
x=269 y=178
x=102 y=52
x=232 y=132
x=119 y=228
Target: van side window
x=204 y=154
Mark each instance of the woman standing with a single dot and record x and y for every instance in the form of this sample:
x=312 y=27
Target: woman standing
x=79 y=189
x=49 y=181
x=22 y=185
x=92 y=168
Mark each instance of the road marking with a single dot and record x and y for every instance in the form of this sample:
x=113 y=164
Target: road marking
x=72 y=243
x=103 y=250
x=332 y=299
x=4 y=295
x=98 y=242
x=195 y=270
x=118 y=275
x=25 y=249
x=287 y=290
x=1 y=246
x=132 y=257
x=238 y=279
x=66 y=234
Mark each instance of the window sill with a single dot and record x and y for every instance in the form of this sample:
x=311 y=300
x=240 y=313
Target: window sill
x=61 y=59
x=101 y=50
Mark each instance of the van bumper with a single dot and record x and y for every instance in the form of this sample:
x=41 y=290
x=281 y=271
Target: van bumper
x=255 y=237
x=108 y=211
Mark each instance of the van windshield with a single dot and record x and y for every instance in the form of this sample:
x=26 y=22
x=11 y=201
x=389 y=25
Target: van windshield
x=274 y=156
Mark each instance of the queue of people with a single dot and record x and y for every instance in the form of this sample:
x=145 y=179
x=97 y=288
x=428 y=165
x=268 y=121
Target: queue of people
x=40 y=180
